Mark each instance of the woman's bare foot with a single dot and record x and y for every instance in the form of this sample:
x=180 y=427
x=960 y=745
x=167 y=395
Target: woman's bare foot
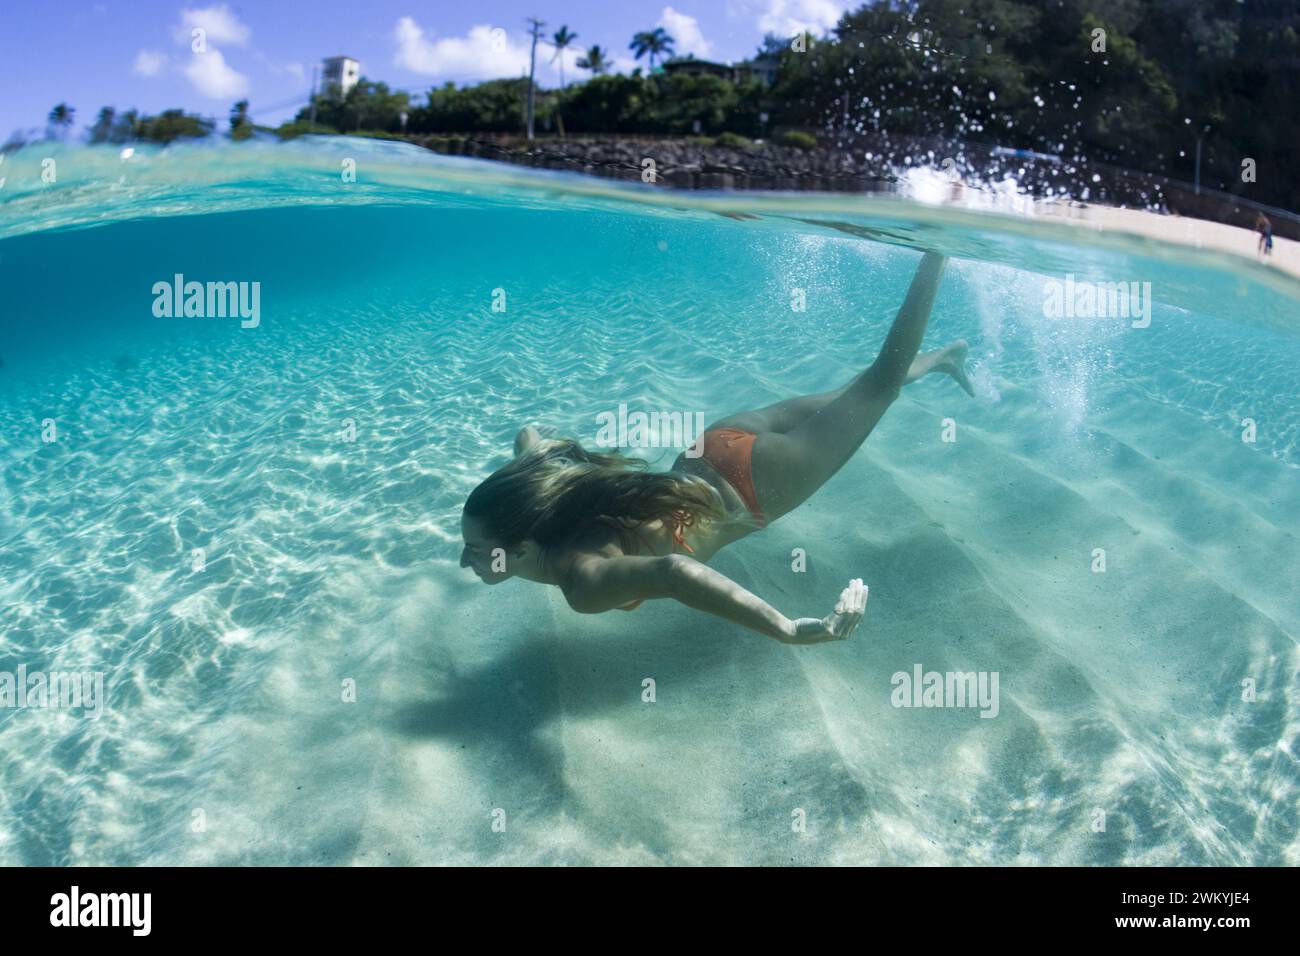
x=952 y=361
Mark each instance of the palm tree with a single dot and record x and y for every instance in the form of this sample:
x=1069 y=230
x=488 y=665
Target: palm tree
x=595 y=60
x=562 y=39
x=240 y=128
x=654 y=42
x=103 y=128
x=61 y=116
x=127 y=126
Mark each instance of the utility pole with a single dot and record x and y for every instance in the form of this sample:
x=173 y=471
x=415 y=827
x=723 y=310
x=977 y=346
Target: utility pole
x=536 y=25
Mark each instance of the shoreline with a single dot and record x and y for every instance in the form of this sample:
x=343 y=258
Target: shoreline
x=1236 y=241
x=696 y=164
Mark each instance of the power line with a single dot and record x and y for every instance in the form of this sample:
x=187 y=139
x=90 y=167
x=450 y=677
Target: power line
x=298 y=100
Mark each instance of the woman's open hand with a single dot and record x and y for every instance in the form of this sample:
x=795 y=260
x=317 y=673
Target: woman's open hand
x=839 y=624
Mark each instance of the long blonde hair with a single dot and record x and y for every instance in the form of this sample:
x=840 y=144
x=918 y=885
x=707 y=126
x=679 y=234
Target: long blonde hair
x=557 y=489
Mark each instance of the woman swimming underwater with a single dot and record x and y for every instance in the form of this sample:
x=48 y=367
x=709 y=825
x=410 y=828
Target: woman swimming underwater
x=611 y=535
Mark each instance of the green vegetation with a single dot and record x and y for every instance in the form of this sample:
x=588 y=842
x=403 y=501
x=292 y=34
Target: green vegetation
x=595 y=59
x=1030 y=76
x=604 y=104
x=102 y=131
x=994 y=72
x=368 y=105
x=1009 y=73
x=168 y=126
x=733 y=141
x=495 y=105
x=303 y=128
x=171 y=125
x=562 y=40
x=61 y=117
x=378 y=134
x=797 y=140
x=241 y=127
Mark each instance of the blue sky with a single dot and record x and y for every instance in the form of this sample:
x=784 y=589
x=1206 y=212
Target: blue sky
x=137 y=53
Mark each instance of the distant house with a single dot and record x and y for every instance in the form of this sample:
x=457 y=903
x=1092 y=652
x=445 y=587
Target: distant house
x=339 y=73
x=690 y=66
x=762 y=68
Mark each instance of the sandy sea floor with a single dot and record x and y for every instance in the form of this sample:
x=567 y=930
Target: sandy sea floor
x=1123 y=733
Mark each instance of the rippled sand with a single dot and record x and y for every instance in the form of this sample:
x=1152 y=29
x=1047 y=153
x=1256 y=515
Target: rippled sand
x=329 y=561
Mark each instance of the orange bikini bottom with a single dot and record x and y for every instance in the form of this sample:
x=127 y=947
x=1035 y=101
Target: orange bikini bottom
x=730 y=452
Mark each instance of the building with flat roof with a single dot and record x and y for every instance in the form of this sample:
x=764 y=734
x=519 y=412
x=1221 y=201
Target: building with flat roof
x=339 y=73
x=762 y=68
x=690 y=66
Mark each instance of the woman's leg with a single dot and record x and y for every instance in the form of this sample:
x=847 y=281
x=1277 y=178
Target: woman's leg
x=785 y=415
x=789 y=466
x=950 y=360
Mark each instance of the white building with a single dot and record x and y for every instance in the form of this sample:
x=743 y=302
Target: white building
x=339 y=72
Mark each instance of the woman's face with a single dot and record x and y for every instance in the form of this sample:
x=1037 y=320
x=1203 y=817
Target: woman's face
x=482 y=552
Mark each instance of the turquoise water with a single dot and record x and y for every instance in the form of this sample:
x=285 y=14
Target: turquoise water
x=225 y=737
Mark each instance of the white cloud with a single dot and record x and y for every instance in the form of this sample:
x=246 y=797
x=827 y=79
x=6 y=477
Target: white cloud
x=220 y=24
x=208 y=71
x=785 y=18
x=685 y=31
x=211 y=76
x=486 y=53
x=489 y=53
x=296 y=70
x=149 y=63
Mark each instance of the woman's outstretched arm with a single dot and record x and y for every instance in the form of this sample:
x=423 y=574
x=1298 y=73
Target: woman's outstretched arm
x=601 y=584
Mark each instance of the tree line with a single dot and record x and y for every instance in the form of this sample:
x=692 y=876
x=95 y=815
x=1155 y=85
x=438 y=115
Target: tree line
x=1135 y=83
